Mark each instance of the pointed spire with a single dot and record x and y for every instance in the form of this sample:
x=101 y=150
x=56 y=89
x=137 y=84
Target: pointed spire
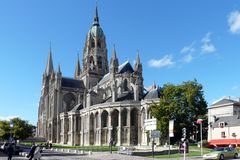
x=96 y=18
x=114 y=55
x=77 y=68
x=154 y=85
x=138 y=65
x=138 y=58
x=114 y=58
x=114 y=61
x=49 y=66
x=59 y=69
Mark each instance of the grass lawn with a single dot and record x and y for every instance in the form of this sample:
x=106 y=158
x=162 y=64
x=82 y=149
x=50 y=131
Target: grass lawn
x=84 y=148
x=193 y=151
x=87 y=148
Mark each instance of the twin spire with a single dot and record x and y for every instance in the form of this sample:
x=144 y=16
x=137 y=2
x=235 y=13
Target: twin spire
x=49 y=66
x=77 y=69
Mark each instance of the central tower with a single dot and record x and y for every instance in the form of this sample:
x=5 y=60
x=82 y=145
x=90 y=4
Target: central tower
x=95 y=63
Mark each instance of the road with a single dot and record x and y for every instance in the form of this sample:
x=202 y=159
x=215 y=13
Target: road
x=50 y=155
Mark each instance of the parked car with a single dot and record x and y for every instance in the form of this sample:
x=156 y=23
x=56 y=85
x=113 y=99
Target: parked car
x=221 y=153
x=16 y=148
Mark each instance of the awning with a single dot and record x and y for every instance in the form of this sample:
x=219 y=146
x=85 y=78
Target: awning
x=224 y=141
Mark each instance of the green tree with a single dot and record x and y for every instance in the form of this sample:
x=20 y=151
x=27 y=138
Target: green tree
x=184 y=104
x=21 y=129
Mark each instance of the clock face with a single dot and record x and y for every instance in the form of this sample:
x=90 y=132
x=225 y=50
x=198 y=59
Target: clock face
x=69 y=101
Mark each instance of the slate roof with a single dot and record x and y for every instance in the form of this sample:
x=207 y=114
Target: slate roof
x=77 y=107
x=125 y=67
x=72 y=83
x=224 y=101
x=123 y=97
x=152 y=94
x=229 y=120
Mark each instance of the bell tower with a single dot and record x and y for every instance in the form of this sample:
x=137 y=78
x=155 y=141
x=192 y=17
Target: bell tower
x=95 y=63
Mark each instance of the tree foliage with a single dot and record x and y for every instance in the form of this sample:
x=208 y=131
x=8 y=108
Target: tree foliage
x=21 y=129
x=182 y=103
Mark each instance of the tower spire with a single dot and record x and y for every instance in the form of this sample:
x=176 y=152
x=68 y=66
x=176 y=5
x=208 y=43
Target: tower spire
x=49 y=66
x=114 y=61
x=77 y=68
x=96 y=18
x=138 y=65
x=138 y=58
x=59 y=69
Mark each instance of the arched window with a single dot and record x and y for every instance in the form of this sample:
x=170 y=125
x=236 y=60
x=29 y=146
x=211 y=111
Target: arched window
x=124 y=117
x=69 y=101
x=99 y=44
x=125 y=85
x=99 y=62
x=92 y=44
x=104 y=118
x=91 y=63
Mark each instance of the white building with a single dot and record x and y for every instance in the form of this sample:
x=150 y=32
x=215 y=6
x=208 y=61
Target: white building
x=224 y=122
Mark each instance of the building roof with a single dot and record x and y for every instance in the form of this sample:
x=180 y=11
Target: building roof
x=230 y=121
x=72 y=83
x=125 y=67
x=224 y=101
x=123 y=97
x=152 y=94
x=77 y=107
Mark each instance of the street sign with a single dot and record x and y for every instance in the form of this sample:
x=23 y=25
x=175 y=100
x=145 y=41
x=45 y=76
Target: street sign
x=155 y=134
x=150 y=124
x=184 y=132
x=171 y=124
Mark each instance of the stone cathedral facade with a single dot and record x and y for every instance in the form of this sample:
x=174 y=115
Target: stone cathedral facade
x=102 y=101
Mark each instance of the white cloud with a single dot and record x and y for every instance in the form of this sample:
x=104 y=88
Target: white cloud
x=207 y=46
x=188 y=49
x=7 y=118
x=166 y=61
x=235 y=88
x=234 y=22
x=188 y=58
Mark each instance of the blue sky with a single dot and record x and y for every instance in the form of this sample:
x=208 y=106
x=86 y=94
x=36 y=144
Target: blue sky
x=178 y=41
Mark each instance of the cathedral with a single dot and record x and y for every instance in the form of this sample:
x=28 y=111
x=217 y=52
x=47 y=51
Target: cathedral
x=101 y=102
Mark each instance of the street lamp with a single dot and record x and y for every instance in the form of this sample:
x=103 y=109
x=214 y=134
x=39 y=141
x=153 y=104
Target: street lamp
x=199 y=121
x=11 y=127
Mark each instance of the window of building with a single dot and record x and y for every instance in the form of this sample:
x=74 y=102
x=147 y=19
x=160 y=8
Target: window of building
x=93 y=44
x=223 y=135
x=99 y=62
x=125 y=85
x=91 y=63
x=99 y=44
x=221 y=124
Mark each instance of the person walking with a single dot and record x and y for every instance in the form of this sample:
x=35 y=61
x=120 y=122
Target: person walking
x=10 y=151
x=31 y=152
x=37 y=153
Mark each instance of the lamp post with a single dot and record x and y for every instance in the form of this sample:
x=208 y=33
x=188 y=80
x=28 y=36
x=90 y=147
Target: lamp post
x=11 y=127
x=199 y=121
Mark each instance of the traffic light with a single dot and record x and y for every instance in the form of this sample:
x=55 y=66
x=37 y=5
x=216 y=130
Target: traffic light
x=184 y=132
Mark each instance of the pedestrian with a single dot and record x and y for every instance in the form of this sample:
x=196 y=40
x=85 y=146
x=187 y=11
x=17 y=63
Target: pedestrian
x=111 y=144
x=10 y=151
x=31 y=152
x=37 y=153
